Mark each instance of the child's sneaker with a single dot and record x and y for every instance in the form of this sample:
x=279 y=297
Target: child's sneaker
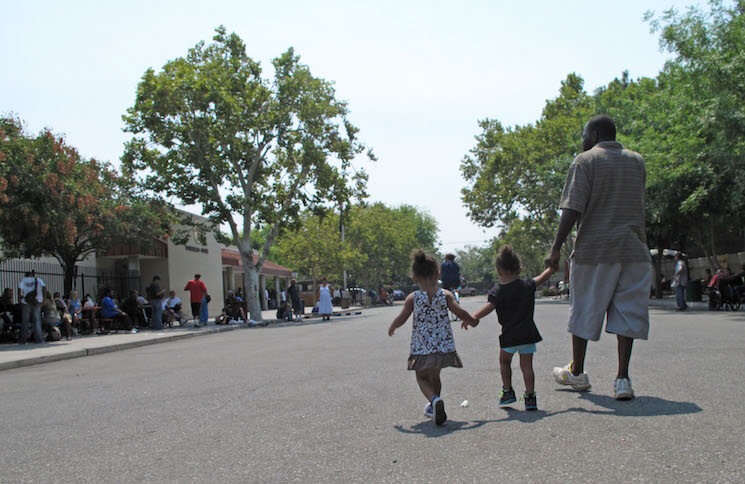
x=622 y=389
x=428 y=412
x=564 y=376
x=438 y=416
x=507 y=396
x=530 y=401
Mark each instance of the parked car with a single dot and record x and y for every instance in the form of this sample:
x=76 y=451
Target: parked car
x=398 y=295
x=467 y=291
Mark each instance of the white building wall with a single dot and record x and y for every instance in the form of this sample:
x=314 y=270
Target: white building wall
x=196 y=258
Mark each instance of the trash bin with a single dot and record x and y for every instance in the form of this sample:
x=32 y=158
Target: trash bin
x=345 y=302
x=693 y=291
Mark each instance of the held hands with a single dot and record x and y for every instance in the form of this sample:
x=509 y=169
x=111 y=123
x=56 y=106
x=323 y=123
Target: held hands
x=465 y=324
x=552 y=260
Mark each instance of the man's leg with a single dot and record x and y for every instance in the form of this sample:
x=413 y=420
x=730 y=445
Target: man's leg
x=25 y=323
x=625 y=344
x=36 y=318
x=579 y=350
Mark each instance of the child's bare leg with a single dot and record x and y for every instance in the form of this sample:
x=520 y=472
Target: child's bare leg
x=437 y=383
x=425 y=380
x=526 y=365
x=505 y=367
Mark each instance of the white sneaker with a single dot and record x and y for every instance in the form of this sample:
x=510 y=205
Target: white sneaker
x=622 y=389
x=564 y=376
x=134 y=331
x=428 y=412
x=438 y=411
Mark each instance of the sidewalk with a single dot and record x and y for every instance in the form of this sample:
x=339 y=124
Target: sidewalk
x=668 y=302
x=16 y=356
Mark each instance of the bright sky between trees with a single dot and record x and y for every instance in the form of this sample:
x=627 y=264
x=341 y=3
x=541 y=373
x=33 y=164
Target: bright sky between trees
x=417 y=75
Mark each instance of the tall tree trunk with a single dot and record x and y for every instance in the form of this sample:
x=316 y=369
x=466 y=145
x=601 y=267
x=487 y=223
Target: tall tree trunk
x=251 y=288
x=68 y=269
x=657 y=272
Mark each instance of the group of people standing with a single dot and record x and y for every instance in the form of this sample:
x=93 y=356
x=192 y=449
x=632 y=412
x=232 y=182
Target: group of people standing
x=610 y=276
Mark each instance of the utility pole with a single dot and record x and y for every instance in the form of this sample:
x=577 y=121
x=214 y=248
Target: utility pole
x=341 y=228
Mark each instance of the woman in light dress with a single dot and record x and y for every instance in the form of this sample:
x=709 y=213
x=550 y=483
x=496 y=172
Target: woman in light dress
x=325 y=296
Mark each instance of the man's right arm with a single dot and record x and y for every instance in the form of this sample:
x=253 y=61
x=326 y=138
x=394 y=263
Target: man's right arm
x=568 y=218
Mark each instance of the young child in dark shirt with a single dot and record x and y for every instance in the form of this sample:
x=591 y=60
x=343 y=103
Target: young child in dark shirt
x=514 y=300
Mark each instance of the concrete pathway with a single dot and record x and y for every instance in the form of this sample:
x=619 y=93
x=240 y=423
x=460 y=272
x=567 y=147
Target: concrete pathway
x=15 y=356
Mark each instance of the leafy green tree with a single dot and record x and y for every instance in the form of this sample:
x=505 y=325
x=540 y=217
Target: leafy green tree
x=477 y=263
x=705 y=160
x=210 y=129
x=518 y=173
x=53 y=202
x=387 y=236
x=316 y=250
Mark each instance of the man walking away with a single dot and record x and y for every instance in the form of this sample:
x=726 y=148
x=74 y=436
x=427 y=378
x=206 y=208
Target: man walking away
x=155 y=296
x=450 y=273
x=297 y=304
x=31 y=290
x=198 y=290
x=611 y=271
x=680 y=281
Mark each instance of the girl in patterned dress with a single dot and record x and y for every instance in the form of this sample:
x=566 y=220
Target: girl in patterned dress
x=432 y=344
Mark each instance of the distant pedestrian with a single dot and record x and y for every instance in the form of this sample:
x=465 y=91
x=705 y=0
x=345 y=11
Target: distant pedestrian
x=204 y=312
x=450 y=273
x=31 y=289
x=514 y=300
x=155 y=296
x=680 y=281
x=197 y=290
x=325 y=296
x=432 y=343
x=611 y=270
x=297 y=303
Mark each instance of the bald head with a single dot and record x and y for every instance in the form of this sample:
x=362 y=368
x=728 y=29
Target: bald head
x=599 y=128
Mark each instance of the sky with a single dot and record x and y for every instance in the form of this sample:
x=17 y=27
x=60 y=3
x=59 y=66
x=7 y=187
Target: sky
x=417 y=75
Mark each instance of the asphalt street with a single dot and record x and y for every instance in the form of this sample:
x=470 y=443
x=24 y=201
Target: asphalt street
x=333 y=401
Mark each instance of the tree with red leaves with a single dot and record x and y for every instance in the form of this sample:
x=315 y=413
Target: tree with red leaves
x=53 y=202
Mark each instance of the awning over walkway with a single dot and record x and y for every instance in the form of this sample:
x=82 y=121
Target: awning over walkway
x=159 y=249
x=232 y=257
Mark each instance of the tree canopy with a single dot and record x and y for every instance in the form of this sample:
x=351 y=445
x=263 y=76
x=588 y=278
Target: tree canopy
x=210 y=129
x=53 y=202
x=377 y=248
x=688 y=123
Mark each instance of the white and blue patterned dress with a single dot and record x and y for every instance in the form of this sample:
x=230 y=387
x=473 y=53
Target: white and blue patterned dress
x=432 y=343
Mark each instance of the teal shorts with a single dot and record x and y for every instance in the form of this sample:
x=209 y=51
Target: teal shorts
x=522 y=349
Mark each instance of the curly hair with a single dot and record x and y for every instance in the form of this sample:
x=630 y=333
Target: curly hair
x=424 y=265
x=507 y=260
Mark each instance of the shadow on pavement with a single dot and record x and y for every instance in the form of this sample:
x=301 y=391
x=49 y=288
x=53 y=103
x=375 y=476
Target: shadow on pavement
x=429 y=429
x=643 y=406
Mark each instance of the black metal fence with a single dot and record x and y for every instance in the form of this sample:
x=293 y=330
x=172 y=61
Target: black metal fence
x=87 y=280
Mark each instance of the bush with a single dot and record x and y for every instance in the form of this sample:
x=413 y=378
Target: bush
x=549 y=291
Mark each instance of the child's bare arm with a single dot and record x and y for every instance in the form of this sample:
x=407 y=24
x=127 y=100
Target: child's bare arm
x=459 y=311
x=488 y=308
x=403 y=315
x=544 y=275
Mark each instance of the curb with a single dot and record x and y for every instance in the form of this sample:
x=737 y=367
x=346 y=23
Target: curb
x=38 y=360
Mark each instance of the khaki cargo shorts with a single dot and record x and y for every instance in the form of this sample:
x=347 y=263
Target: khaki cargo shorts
x=618 y=291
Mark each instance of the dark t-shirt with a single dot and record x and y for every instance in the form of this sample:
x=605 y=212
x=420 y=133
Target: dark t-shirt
x=450 y=273
x=294 y=294
x=153 y=291
x=514 y=303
